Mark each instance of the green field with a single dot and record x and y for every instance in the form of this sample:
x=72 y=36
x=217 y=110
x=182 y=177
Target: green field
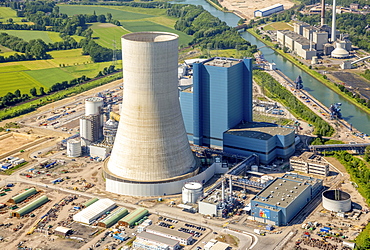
x=150 y=26
x=116 y=14
x=12 y=81
x=278 y=26
x=106 y=33
x=132 y=19
x=6 y=13
x=48 y=77
x=46 y=36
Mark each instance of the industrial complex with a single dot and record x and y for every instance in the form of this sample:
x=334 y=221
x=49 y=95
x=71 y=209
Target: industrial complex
x=173 y=159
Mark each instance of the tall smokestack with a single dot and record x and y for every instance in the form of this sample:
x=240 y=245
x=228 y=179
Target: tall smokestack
x=333 y=27
x=322 y=12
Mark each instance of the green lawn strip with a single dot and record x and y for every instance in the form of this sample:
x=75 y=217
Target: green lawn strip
x=278 y=26
x=6 y=13
x=35 y=34
x=48 y=77
x=13 y=68
x=89 y=70
x=146 y=11
x=311 y=72
x=11 y=81
x=33 y=105
x=140 y=26
x=116 y=14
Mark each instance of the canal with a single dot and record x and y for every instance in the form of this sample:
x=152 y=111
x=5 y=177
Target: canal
x=352 y=114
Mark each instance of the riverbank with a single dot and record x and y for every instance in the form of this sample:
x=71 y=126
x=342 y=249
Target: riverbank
x=311 y=72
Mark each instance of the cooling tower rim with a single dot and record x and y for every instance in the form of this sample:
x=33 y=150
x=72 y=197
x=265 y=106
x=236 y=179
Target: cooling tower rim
x=330 y=193
x=150 y=37
x=109 y=175
x=94 y=99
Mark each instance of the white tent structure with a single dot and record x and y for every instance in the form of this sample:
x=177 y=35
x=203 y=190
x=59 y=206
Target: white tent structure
x=94 y=211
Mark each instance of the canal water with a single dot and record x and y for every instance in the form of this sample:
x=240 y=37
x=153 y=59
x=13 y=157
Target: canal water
x=353 y=115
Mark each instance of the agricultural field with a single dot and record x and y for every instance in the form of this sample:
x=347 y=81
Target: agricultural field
x=6 y=13
x=27 y=35
x=105 y=33
x=44 y=73
x=278 y=26
x=132 y=19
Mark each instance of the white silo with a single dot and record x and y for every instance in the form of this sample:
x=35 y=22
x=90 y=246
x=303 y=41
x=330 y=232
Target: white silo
x=73 y=148
x=151 y=144
x=191 y=192
x=93 y=105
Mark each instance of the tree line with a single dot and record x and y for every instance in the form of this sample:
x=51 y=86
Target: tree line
x=276 y=90
x=207 y=31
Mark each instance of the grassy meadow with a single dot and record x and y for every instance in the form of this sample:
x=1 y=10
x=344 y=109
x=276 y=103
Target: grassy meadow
x=132 y=20
x=68 y=64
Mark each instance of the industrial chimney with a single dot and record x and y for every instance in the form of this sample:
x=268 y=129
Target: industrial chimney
x=333 y=26
x=322 y=13
x=151 y=144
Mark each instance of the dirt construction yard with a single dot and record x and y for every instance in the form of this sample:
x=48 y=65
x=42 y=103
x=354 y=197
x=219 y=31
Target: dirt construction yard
x=245 y=8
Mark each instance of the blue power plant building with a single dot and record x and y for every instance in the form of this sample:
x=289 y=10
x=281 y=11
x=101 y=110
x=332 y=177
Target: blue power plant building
x=284 y=198
x=218 y=112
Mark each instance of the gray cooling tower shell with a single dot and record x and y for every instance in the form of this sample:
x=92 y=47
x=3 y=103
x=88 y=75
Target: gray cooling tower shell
x=151 y=144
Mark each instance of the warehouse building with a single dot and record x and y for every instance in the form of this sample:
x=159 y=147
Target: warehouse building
x=297 y=43
x=183 y=238
x=22 y=196
x=269 y=10
x=284 y=198
x=94 y=211
x=310 y=163
x=30 y=207
x=150 y=241
x=113 y=218
x=133 y=217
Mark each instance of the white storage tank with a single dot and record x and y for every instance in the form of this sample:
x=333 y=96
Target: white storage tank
x=191 y=192
x=93 y=105
x=336 y=201
x=254 y=168
x=73 y=148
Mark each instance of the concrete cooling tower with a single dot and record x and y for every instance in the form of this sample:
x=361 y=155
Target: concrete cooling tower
x=151 y=149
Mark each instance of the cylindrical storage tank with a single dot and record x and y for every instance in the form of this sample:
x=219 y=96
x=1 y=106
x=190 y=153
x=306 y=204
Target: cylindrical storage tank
x=73 y=148
x=191 y=192
x=254 y=168
x=151 y=142
x=93 y=105
x=336 y=201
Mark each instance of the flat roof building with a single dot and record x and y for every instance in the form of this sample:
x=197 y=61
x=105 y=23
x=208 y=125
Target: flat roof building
x=146 y=240
x=310 y=163
x=279 y=202
x=183 y=238
x=269 y=10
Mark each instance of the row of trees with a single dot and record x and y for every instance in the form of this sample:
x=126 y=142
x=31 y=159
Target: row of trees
x=276 y=90
x=208 y=31
x=356 y=96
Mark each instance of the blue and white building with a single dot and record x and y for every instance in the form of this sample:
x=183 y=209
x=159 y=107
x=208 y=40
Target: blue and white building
x=284 y=198
x=218 y=112
x=269 y=10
